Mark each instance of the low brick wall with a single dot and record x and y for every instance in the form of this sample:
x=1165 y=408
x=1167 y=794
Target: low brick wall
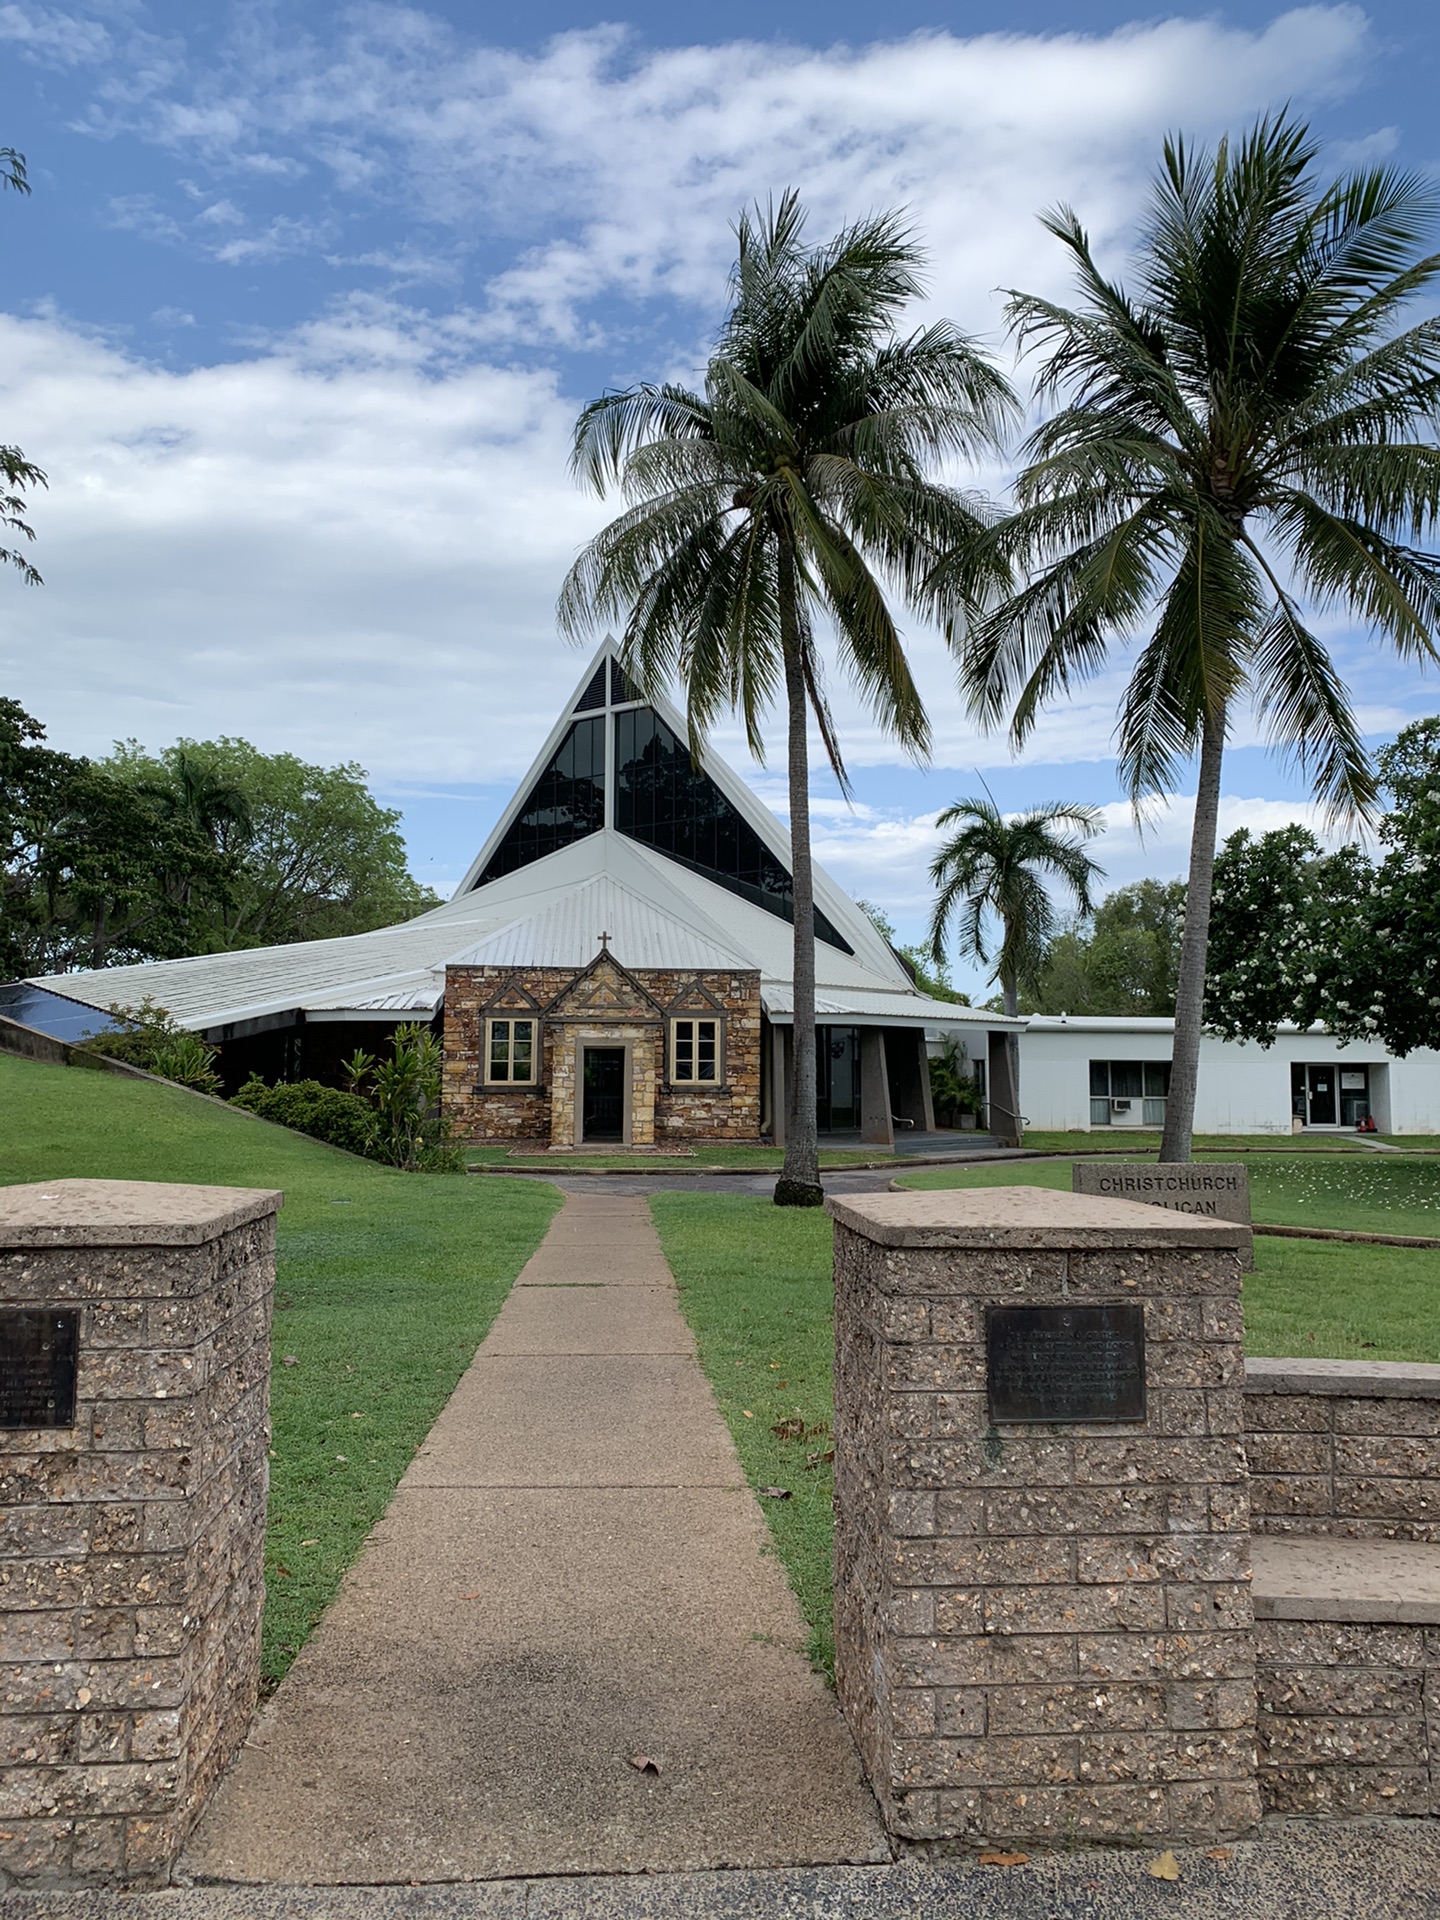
x=131 y=1542
x=1349 y=1716
x=1344 y=1448
x=1345 y=1458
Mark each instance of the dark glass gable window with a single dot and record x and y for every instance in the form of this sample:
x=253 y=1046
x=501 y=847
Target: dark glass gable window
x=622 y=687
x=594 y=694
x=566 y=802
x=662 y=800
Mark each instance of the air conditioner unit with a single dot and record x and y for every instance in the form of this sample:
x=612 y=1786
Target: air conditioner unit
x=1119 y=1106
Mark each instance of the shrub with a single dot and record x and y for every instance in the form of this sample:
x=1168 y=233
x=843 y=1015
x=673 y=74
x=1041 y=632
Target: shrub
x=343 y=1119
x=147 y=1037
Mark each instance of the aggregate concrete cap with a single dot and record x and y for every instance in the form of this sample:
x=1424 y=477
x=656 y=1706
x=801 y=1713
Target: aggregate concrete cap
x=126 y=1213
x=1024 y=1217
x=1390 y=1581
x=1351 y=1379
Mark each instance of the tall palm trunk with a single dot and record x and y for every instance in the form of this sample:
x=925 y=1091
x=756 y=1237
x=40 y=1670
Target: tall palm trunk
x=1008 y=1111
x=799 y=1182
x=1190 y=987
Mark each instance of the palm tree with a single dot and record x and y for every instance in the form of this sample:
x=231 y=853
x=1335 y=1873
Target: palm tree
x=991 y=866
x=1246 y=434
x=793 y=490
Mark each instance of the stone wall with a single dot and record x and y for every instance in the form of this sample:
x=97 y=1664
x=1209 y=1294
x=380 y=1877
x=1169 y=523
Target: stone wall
x=1344 y=1448
x=546 y=1113
x=1043 y=1631
x=131 y=1544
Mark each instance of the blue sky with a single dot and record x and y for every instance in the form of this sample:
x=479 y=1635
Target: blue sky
x=306 y=297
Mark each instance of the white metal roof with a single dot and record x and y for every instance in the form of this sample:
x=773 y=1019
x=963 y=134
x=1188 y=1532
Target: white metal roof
x=565 y=933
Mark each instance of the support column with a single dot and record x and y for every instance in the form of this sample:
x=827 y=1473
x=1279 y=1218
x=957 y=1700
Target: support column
x=134 y=1427
x=781 y=1043
x=877 y=1129
x=1042 y=1559
x=1003 y=1095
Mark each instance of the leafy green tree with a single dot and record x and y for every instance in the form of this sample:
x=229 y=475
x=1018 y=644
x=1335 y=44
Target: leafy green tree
x=1397 y=980
x=1290 y=925
x=795 y=490
x=1247 y=431
x=315 y=854
x=1351 y=943
x=92 y=872
x=1124 y=961
x=993 y=868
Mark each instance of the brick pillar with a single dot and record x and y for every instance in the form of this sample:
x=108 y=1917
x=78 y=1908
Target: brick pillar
x=131 y=1539
x=1043 y=1628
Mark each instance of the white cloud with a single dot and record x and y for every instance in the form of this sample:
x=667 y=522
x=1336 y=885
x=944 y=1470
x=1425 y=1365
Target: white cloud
x=348 y=541
x=607 y=169
x=354 y=559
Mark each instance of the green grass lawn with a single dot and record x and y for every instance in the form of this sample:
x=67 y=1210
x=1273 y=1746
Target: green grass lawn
x=386 y=1284
x=755 y=1287
x=746 y=1159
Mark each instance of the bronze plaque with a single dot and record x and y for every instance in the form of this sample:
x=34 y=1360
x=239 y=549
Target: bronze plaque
x=38 y=1351
x=1066 y=1363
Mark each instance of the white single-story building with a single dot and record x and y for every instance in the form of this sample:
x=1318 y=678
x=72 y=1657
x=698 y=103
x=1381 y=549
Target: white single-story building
x=1097 y=1073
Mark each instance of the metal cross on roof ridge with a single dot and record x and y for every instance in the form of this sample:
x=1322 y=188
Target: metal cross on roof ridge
x=604 y=943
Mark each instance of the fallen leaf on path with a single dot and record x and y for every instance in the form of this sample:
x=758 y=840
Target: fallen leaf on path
x=477 y=1595
x=773 y=1493
x=1003 y=1859
x=1220 y=1853
x=642 y=1763
x=1166 y=1867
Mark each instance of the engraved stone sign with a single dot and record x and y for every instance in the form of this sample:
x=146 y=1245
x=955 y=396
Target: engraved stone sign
x=1066 y=1363
x=37 y=1367
x=1211 y=1192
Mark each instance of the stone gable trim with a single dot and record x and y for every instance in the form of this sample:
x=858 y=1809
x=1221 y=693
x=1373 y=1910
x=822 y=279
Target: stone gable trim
x=641 y=1006
x=511 y=996
x=695 y=999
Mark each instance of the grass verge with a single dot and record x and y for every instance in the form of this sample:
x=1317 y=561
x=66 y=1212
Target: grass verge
x=755 y=1286
x=386 y=1284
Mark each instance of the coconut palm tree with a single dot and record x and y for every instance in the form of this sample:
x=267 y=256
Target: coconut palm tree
x=1245 y=436
x=793 y=491
x=993 y=868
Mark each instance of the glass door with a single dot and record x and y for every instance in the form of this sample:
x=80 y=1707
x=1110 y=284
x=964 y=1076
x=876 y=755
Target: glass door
x=604 y=1111
x=837 y=1079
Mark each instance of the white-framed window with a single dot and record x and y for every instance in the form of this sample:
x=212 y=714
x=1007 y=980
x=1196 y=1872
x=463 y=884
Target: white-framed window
x=512 y=1051
x=697 y=1052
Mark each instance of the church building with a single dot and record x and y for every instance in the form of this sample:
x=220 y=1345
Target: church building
x=614 y=969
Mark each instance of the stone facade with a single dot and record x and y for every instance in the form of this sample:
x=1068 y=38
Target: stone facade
x=611 y=1005
x=131 y=1544
x=1043 y=1633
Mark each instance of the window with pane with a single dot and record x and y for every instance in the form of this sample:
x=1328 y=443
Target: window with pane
x=566 y=802
x=1118 y=1087
x=697 y=1052
x=662 y=799
x=511 y=1051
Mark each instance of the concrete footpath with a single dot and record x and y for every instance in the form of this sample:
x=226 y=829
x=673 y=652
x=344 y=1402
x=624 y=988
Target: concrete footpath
x=572 y=1574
